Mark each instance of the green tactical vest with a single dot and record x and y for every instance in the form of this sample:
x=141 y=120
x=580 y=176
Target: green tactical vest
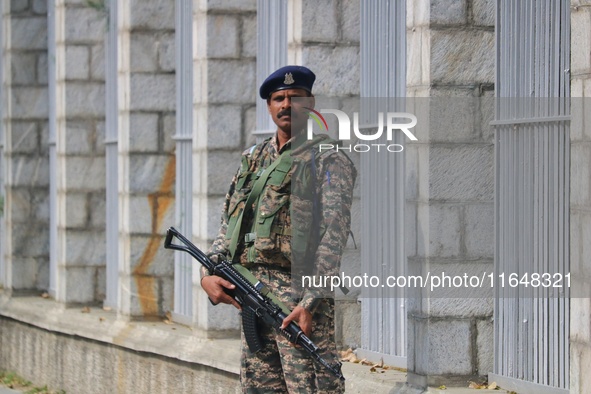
x=283 y=206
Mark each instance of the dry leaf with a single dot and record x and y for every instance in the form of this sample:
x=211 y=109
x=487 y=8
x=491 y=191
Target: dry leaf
x=442 y=387
x=493 y=386
x=85 y=310
x=107 y=308
x=101 y=319
x=372 y=369
x=45 y=295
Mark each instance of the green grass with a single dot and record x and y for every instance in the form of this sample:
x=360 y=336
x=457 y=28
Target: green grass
x=13 y=381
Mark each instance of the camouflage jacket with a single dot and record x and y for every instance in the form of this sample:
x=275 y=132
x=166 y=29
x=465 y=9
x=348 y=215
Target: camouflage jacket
x=317 y=209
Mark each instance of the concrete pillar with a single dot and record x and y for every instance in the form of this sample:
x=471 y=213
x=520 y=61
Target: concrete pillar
x=580 y=196
x=25 y=173
x=77 y=130
x=146 y=103
x=450 y=185
x=224 y=117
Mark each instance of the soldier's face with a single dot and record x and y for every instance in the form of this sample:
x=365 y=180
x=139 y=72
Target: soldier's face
x=286 y=114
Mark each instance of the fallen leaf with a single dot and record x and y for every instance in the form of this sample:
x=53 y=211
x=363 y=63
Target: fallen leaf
x=85 y=310
x=101 y=319
x=442 y=387
x=107 y=308
x=372 y=369
x=493 y=386
x=45 y=295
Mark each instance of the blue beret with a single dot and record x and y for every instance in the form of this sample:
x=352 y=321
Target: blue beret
x=288 y=77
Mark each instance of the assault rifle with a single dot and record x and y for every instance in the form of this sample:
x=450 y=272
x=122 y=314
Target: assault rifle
x=256 y=302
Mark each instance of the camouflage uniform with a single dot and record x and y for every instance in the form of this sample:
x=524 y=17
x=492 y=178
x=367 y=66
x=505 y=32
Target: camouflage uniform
x=280 y=367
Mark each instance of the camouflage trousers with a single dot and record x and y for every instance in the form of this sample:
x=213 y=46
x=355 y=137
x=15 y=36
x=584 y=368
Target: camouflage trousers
x=280 y=367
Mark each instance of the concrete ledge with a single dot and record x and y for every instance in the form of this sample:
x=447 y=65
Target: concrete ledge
x=30 y=327
x=168 y=340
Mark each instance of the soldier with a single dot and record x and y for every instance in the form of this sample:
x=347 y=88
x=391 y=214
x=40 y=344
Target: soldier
x=287 y=212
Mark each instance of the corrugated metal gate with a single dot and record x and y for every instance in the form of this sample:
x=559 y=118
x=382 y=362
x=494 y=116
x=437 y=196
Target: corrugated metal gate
x=532 y=194
x=383 y=75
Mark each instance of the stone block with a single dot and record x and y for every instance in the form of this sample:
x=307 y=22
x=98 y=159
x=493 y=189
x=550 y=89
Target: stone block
x=152 y=14
x=225 y=126
x=231 y=81
x=99 y=141
x=169 y=131
x=248 y=36
x=319 y=21
x=25 y=138
x=141 y=214
x=42 y=69
x=143 y=132
x=453 y=119
x=443 y=347
x=29 y=33
x=487 y=111
x=414 y=43
x=214 y=213
x=80 y=284
x=221 y=168
x=97 y=62
x=485 y=346
x=100 y=290
x=40 y=7
x=461 y=56
x=152 y=92
x=77 y=62
x=484 y=12
x=85 y=99
x=580 y=173
x=30 y=103
x=337 y=69
x=29 y=172
x=143 y=52
x=148 y=172
x=350 y=17
x=465 y=172
x=166 y=53
x=30 y=240
x=348 y=326
x=479 y=230
x=78 y=138
x=149 y=258
x=223 y=40
x=84 y=248
x=438 y=230
x=17 y=6
x=23 y=66
x=85 y=173
x=230 y=5
x=580 y=42
x=24 y=273
x=98 y=206
x=446 y=12
x=76 y=212
x=85 y=25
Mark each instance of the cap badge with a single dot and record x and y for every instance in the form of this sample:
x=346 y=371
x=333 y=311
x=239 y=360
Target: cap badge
x=288 y=79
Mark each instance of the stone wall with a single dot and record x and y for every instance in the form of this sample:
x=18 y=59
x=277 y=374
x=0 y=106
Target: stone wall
x=146 y=104
x=224 y=116
x=580 y=195
x=25 y=114
x=77 y=129
x=450 y=188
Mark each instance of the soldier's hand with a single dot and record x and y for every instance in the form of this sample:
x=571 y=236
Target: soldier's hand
x=302 y=317
x=214 y=287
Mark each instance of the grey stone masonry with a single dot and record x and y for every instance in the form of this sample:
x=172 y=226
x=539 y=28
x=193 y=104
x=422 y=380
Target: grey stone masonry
x=324 y=36
x=225 y=94
x=80 y=165
x=146 y=155
x=26 y=161
x=580 y=195
x=450 y=189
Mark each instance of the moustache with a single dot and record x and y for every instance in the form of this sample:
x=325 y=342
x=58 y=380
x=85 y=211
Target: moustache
x=284 y=112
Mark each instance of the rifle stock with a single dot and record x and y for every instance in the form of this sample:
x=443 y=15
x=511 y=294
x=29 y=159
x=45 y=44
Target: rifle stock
x=256 y=301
